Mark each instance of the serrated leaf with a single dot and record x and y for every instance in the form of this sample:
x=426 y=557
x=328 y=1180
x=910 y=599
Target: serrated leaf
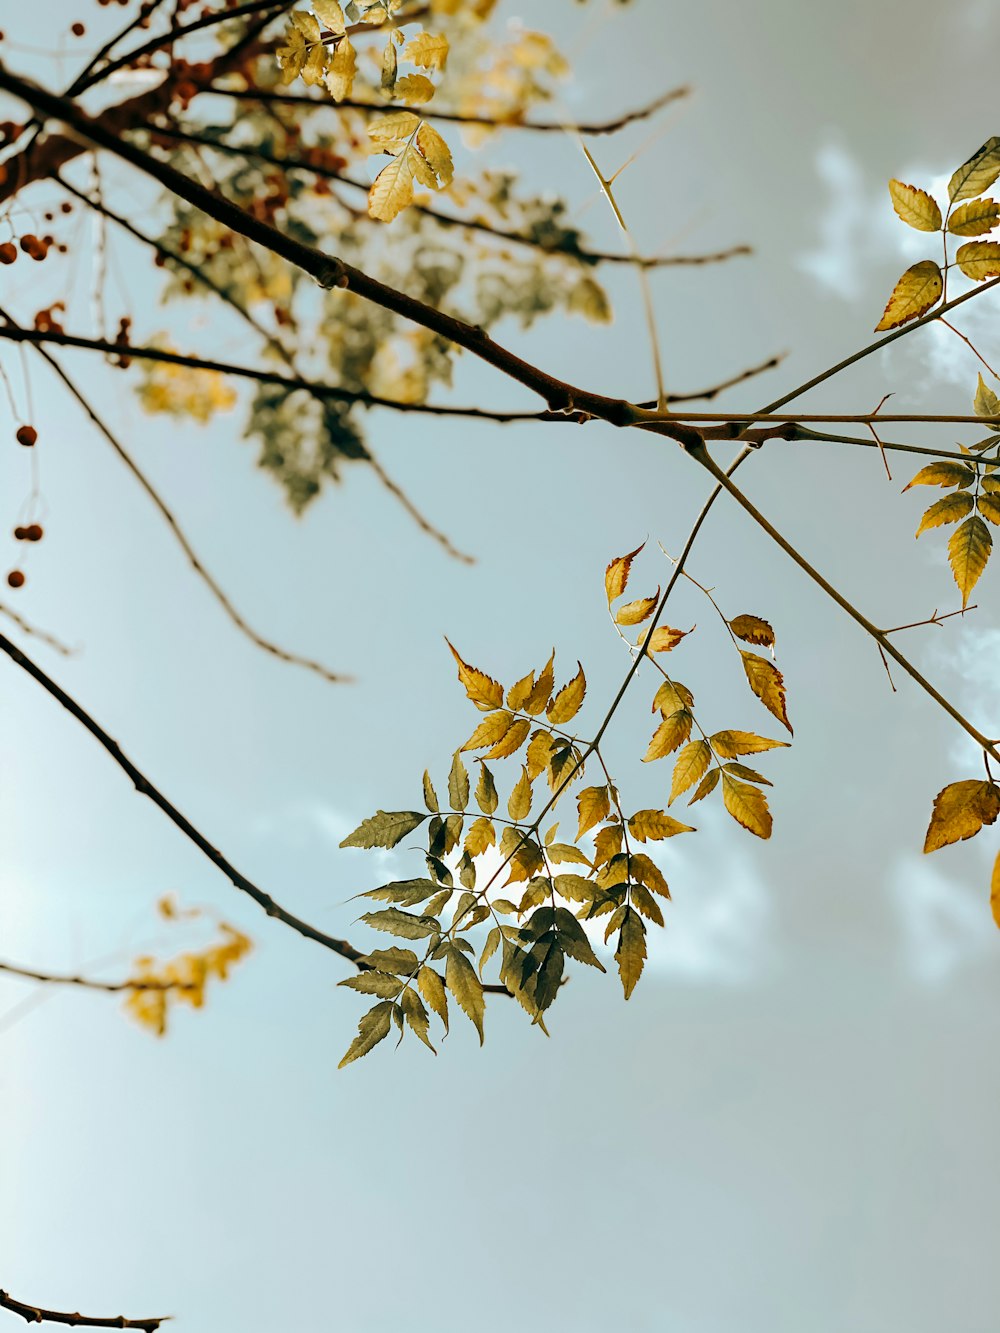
x=433 y=149
x=969 y=549
x=566 y=704
x=979 y=260
x=573 y=939
x=690 y=767
x=631 y=952
x=767 y=683
x=512 y=740
x=428 y=50
x=331 y=16
x=385 y=828
x=432 y=988
x=392 y=130
x=538 y=697
x=751 y=629
x=664 y=638
x=975 y=218
x=372 y=1029
x=519 y=802
x=383 y=985
x=416 y=1016
x=747 y=805
x=647 y=872
x=730 y=744
x=576 y=888
x=392 y=188
x=480 y=836
x=634 y=613
x=644 y=903
x=493 y=728
x=564 y=853
x=607 y=843
x=671 y=697
x=430 y=795
x=393 y=959
x=960 y=811
x=466 y=987
x=390 y=66
x=672 y=732
x=458 y=783
x=655 y=825
x=404 y=924
x=486 y=792
x=593 y=804
x=949 y=509
x=916 y=291
x=706 y=786
x=539 y=753
x=518 y=694
x=943 y=474
x=617 y=572
x=484 y=692
x=402 y=892
x=746 y=774
x=989 y=507
x=977 y=173
x=985 y=403
x=489 y=948
x=306 y=24
x=916 y=207
x=340 y=70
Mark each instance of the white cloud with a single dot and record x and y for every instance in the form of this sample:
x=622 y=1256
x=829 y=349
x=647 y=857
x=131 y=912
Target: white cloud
x=944 y=925
x=968 y=664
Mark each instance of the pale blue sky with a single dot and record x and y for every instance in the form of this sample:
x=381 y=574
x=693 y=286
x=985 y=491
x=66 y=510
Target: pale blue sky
x=791 y=1124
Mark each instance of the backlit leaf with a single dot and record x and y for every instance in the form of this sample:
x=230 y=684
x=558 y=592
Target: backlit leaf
x=383 y=985
x=644 y=903
x=384 y=829
x=374 y=1026
x=392 y=189
x=706 y=786
x=432 y=988
x=977 y=174
x=330 y=15
x=985 y=403
x=484 y=692
x=979 y=260
x=607 y=844
x=730 y=744
x=672 y=732
x=916 y=291
x=428 y=50
x=392 y=130
x=975 y=218
x=989 y=507
x=663 y=639
x=968 y=551
x=649 y=873
x=466 y=987
x=492 y=729
x=634 y=613
x=416 y=1015
x=404 y=924
x=960 y=811
x=458 y=783
x=538 y=696
x=593 y=804
x=486 y=792
x=671 y=697
x=414 y=89
x=390 y=66
x=767 y=683
x=943 y=474
x=751 y=629
x=746 y=774
x=631 y=952
x=514 y=738
x=655 y=825
x=995 y=891
x=341 y=70
x=916 y=207
x=617 y=572
x=430 y=795
x=692 y=762
x=394 y=959
x=518 y=694
x=519 y=802
x=539 y=753
x=747 y=805
x=435 y=152
x=949 y=509
x=481 y=835
x=566 y=704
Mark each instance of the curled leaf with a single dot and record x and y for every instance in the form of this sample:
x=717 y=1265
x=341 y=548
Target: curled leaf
x=960 y=811
x=916 y=291
x=484 y=692
x=617 y=572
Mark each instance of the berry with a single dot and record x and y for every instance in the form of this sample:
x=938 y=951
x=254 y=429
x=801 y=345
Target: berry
x=33 y=532
x=20 y=534
x=77 y=29
x=26 y=435
x=15 y=578
x=8 y=252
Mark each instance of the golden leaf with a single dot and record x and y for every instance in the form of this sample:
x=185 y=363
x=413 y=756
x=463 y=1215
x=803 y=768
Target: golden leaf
x=767 y=683
x=292 y=56
x=975 y=218
x=428 y=50
x=341 y=70
x=663 y=638
x=617 y=572
x=634 y=613
x=432 y=988
x=519 y=802
x=542 y=688
x=593 y=804
x=655 y=825
x=458 y=783
x=985 y=403
x=968 y=551
x=492 y=729
x=730 y=744
x=644 y=902
x=647 y=872
x=943 y=474
x=960 y=811
x=746 y=774
x=692 y=762
x=672 y=696
x=949 y=509
x=706 y=786
x=608 y=844
x=512 y=741
x=979 y=260
x=484 y=692
x=672 y=732
x=747 y=805
x=989 y=507
x=539 y=753
x=751 y=629
x=306 y=24
x=466 y=987
x=566 y=704
x=995 y=891
x=392 y=188
x=631 y=952
x=391 y=131
x=518 y=694
x=374 y=1026
x=916 y=291
x=416 y=89
x=916 y=207
x=330 y=15
x=480 y=836
x=977 y=174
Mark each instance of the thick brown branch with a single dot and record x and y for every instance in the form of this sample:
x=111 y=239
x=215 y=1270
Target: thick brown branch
x=36 y=1314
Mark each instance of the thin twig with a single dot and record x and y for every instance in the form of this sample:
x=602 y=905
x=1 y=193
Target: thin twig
x=40 y=634
x=36 y=1314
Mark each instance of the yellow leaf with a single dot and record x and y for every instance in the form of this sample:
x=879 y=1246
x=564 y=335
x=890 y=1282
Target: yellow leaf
x=416 y=89
x=392 y=188
x=480 y=836
x=706 y=786
x=746 y=774
x=655 y=825
x=341 y=70
x=915 y=207
x=995 y=891
x=949 y=509
x=691 y=765
x=648 y=872
x=518 y=694
x=593 y=804
x=975 y=218
x=634 y=613
x=314 y=70
x=960 y=811
x=985 y=403
x=374 y=1026
x=943 y=474
x=466 y=987
x=617 y=572
x=486 y=792
x=747 y=805
x=631 y=952
x=542 y=688
x=751 y=629
x=916 y=291
x=428 y=50
x=663 y=638
x=389 y=67
x=979 y=260
x=607 y=844
x=671 y=696
x=512 y=741
x=539 y=753
x=977 y=174
x=492 y=729
x=432 y=988
x=767 y=683
x=730 y=744
x=968 y=551
x=392 y=130
x=519 y=802
x=330 y=15
x=672 y=732
x=989 y=507
x=566 y=704
x=306 y=24
x=484 y=692
x=292 y=56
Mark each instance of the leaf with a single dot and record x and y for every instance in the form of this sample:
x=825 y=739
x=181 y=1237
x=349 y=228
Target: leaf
x=374 y=1026
x=663 y=639
x=916 y=291
x=706 y=786
x=747 y=805
x=341 y=70
x=968 y=551
x=607 y=843
x=691 y=765
x=671 y=697
x=655 y=825
x=383 y=985
x=574 y=887
x=985 y=403
x=539 y=753
x=746 y=774
x=430 y=795
x=458 y=783
x=729 y=744
x=518 y=694
x=484 y=692
x=617 y=572
x=416 y=89
x=916 y=207
x=566 y=704
x=391 y=131
x=542 y=688
x=466 y=988
x=512 y=740
x=995 y=891
x=404 y=924
x=490 y=947
x=384 y=829
x=480 y=836
x=560 y=853
x=977 y=173
x=975 y=218
x=631 y=952
x=644 y=902
x=306 y=24
x=943 y=474
x=428 y=50
x=330 y=15
x=486 y=792
x=392 y=188
x=960 y=811
x=573 y=939
x=393 y=959
x=989 y=507
x=648 y=872
x=434 y=151
x=519 y=802
x=634 y=613
x=593 y=804
x=390 y=66
x=492 y=729
x=672 y=732
x=751 y=629
x=431 y=985
x=767 y=683
x=949 y=509
x=416 y=1015
x=979 y=260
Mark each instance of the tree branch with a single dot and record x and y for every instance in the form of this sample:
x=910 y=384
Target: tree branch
x=41 y=635
x=87 y=983
x=36 y=1314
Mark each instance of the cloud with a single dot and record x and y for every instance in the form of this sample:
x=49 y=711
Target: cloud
x=944 y=925
x=967 y=663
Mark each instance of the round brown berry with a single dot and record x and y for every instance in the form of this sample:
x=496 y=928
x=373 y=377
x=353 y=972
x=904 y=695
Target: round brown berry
x=20 y=534
x=77 y=29
x=34 y=532
x=26 y=435
x=15 y=578
x=8 y=252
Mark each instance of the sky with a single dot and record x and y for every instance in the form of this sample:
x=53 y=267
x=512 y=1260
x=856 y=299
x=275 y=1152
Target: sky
x=790 y=1123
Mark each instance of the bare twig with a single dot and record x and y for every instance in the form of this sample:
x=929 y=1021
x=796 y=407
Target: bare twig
x=36 y=1314
x=41 y=635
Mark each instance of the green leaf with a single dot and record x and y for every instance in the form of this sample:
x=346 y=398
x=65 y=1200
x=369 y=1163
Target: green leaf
x=458 y=784
x=486 y=792
x=466 y=988
x=404 y=924
x=384 y=829
x=403 y=961
x=977 y=173
x=631 y=952
x=432 y=988
x=372 y=1029
x=374 y=983
x=430 y=795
